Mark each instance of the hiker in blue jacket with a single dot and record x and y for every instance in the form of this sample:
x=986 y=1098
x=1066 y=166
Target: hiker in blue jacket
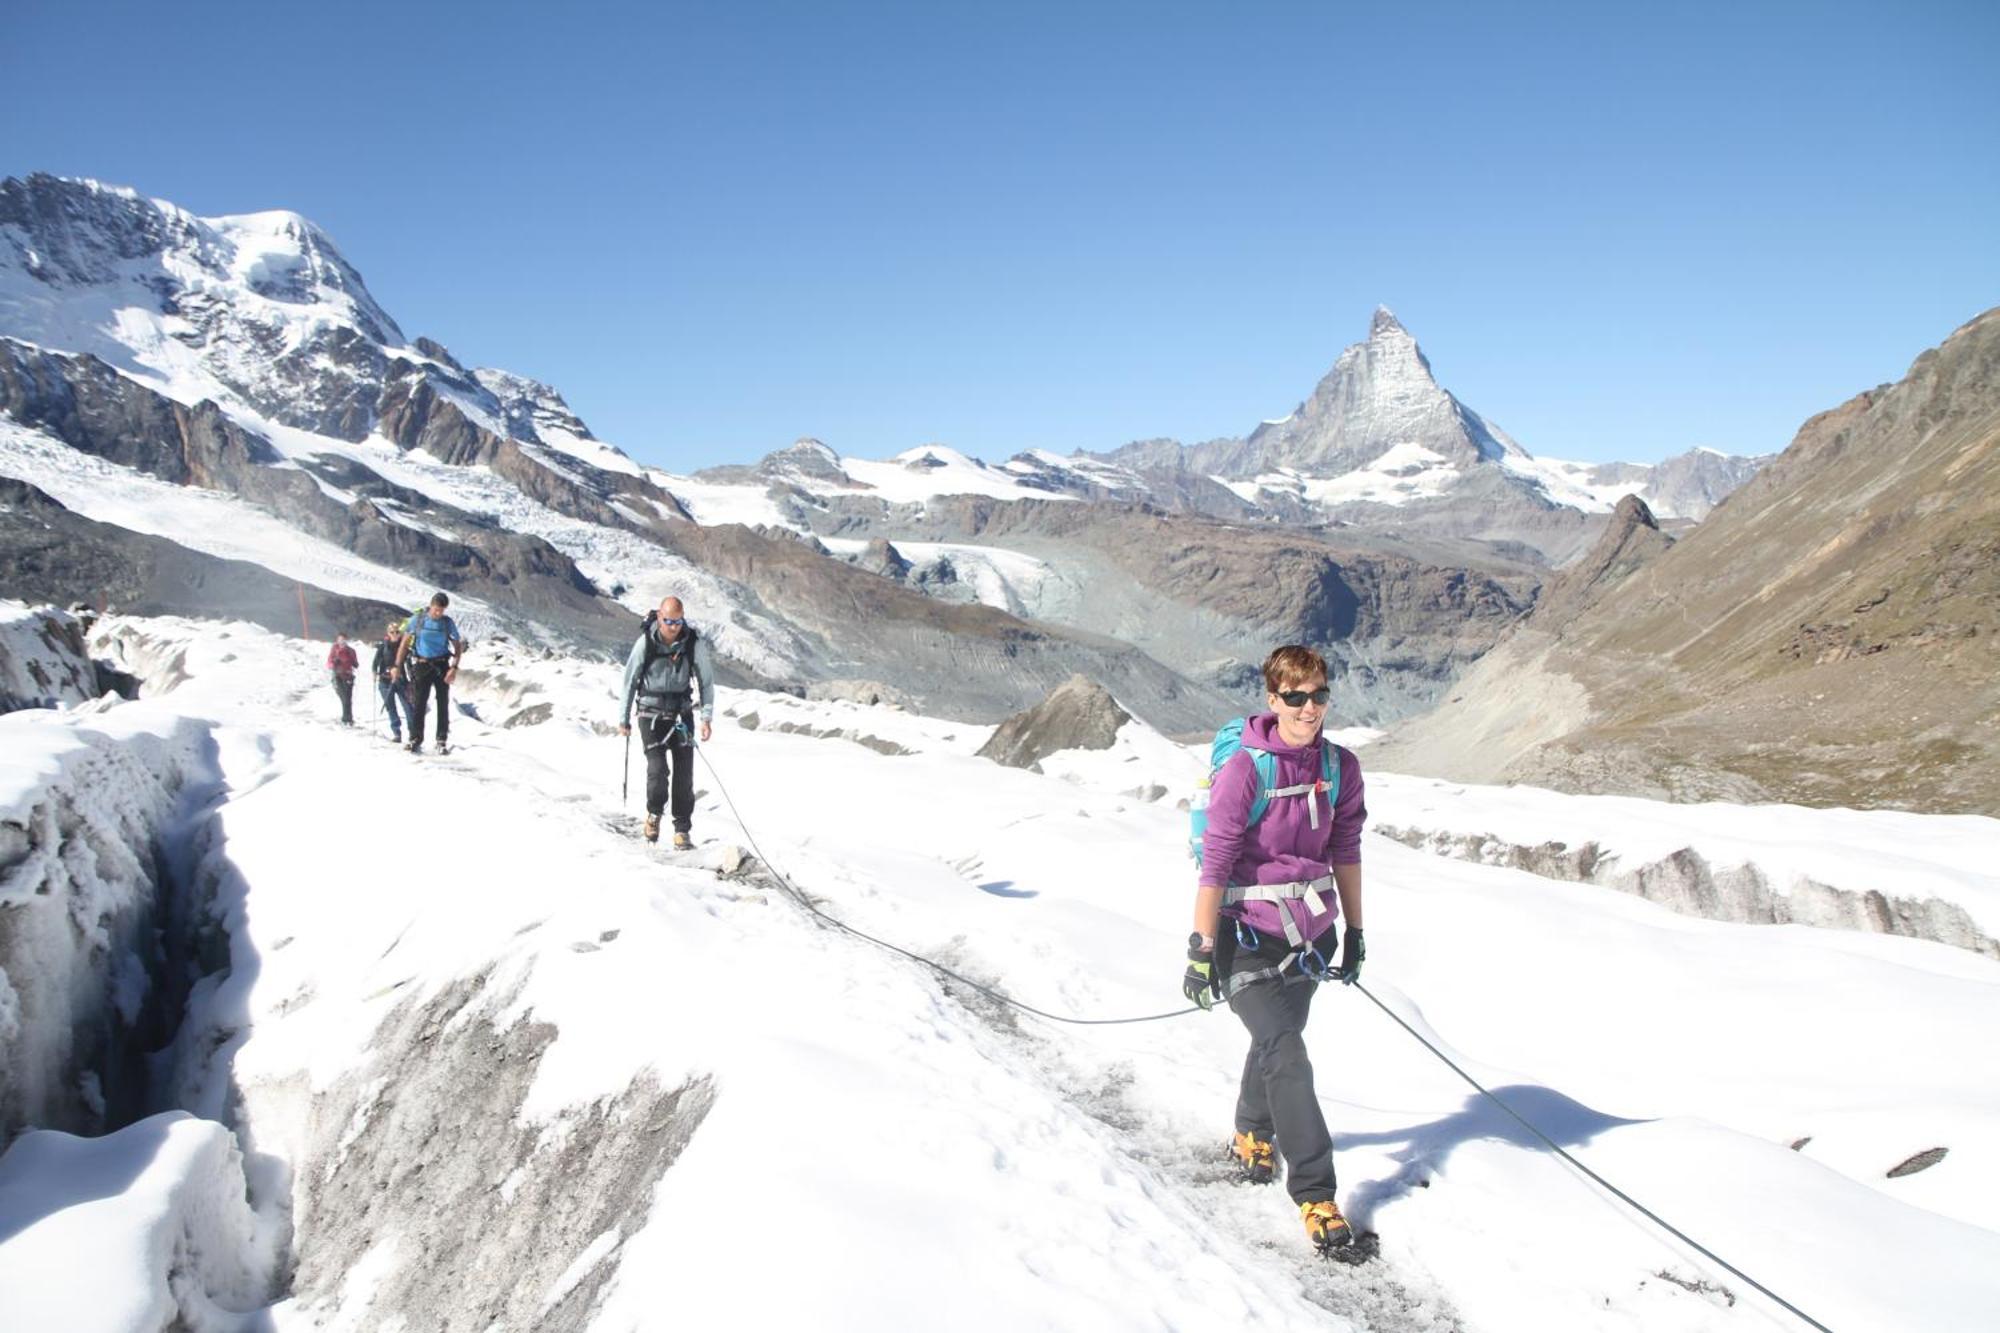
x=1280 y=862
x=429 y=656
x=666 y=664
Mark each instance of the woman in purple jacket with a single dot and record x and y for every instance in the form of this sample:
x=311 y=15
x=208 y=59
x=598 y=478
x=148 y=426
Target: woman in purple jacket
x=1264 y=924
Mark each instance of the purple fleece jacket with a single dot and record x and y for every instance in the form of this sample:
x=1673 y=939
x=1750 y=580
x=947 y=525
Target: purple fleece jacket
x=1283 y=846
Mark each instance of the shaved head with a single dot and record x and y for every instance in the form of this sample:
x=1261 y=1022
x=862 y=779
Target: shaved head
x=671 y=606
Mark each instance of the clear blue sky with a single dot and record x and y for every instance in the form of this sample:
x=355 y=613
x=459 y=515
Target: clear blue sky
x=1617 y=230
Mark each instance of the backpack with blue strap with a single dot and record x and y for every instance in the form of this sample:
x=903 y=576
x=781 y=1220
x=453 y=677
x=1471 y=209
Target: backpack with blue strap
x=431 y=636
x=1229 y=740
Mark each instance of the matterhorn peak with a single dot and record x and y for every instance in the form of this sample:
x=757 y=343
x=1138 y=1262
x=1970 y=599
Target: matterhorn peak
x=1385 y=321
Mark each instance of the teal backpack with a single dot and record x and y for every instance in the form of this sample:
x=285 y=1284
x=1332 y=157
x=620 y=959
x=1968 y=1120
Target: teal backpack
x=1227 y=742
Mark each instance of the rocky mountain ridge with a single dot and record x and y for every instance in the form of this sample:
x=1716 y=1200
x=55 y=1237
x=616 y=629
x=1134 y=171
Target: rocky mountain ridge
x=245 y=356
x=1831 y=635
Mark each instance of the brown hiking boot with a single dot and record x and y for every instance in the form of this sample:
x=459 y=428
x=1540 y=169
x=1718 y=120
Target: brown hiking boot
x=1255 y=1156
x=1325 y=1227
x=652 y=828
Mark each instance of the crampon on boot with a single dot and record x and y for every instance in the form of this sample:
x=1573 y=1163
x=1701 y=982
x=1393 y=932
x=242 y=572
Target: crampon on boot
x=1255 y=1156
x=1325 y=1227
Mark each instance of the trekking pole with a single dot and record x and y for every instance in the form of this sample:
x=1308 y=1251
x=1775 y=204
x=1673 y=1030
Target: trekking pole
x=625 y=792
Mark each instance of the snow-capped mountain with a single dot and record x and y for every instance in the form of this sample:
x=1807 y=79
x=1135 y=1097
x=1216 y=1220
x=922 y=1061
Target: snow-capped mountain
x=227 y=385
x=1380 y=443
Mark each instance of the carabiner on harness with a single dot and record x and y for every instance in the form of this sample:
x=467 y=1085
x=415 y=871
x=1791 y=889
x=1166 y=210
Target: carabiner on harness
x=1313 y=963
x=1247 y=937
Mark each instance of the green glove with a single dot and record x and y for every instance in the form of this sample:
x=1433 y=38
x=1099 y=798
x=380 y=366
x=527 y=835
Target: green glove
x=1201 y=984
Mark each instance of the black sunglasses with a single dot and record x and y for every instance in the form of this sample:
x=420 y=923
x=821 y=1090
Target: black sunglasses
x=1297 y=698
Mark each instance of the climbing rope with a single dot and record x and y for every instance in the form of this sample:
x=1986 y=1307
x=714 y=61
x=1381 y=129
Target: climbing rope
x=1516 y=1116
x=834 y=921
x=1564 y=1153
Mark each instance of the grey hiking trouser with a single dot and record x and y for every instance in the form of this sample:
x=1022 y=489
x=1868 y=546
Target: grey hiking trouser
x=1276 y=1100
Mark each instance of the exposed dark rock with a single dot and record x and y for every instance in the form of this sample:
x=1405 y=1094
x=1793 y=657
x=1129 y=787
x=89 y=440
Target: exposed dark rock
x=1922 y=1161
x=879 y=557
x=1079 y=714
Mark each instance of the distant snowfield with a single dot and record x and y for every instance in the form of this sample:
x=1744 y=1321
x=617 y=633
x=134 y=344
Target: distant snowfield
x=917 y=476
x=998 y=577
x=1569 y=484
x=207 y=521
x=1403 y=473
x=907 y=1158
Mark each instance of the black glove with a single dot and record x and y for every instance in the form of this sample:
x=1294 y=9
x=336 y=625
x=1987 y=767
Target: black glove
x=1202 y=984
x=1352 y=950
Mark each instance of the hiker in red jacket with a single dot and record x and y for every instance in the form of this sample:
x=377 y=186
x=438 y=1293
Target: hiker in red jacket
x=343 y=663
x=1280 y=862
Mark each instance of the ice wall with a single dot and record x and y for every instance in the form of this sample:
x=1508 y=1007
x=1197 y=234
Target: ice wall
x=85 y=816
x=43 y=663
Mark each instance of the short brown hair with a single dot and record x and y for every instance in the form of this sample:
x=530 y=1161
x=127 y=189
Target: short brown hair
x=1293 y=664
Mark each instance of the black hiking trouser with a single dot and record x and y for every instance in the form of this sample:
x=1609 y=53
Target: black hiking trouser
x=427 y=675
x=344 y=687
x=1276 y=1099
x=669 y=762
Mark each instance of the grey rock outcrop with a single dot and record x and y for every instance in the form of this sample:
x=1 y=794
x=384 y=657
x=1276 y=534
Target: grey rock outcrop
x=1632 y=539
x=1079 y=714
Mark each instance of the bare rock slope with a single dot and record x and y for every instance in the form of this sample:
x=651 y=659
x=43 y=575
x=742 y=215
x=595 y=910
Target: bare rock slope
x=1830 y=635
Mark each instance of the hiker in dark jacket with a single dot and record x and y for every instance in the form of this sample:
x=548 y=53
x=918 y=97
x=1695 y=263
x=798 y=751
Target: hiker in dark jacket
x=395 y=694
x=1264 y=923
x=342 y=662
x=428 y=658
x=668 y=661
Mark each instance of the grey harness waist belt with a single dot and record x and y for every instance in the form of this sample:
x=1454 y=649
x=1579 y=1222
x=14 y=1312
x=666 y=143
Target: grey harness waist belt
x=1283 y=896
